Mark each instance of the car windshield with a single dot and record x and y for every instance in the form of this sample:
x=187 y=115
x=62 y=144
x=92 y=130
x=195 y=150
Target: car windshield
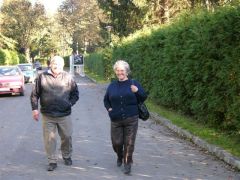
x=25 y=67
x=37 y=64
x=8 y=71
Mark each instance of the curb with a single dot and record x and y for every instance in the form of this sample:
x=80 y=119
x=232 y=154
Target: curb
x=218 y=152
x=93 y=80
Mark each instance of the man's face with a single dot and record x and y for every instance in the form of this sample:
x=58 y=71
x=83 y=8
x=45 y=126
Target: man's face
x=57 y=66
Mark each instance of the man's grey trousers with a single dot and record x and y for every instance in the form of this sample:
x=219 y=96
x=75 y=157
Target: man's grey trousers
x=64 y=127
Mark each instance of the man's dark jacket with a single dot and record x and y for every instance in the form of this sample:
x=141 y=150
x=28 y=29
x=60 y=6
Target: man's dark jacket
x=57 y=94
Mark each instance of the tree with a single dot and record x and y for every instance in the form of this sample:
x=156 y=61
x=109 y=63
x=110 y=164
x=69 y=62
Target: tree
x=79 y=20
x=124 y=15
x=163 y=11
x=20 y=21
x=6 y=43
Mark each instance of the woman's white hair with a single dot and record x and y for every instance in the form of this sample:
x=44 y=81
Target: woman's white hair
x=122 y=63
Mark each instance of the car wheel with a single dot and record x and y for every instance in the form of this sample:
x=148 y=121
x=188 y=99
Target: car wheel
x=22 y=92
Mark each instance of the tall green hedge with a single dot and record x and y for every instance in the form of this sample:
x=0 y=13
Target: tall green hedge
x=192 y=65
x=2 y=57
x=22 y=58
x=10 y=57
x=14 y=58
x=66 y=61
x=100 y=63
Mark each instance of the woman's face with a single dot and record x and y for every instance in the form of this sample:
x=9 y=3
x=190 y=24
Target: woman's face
x=121 y=73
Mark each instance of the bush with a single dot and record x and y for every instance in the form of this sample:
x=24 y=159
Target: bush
x=22 y=58
x=14 y=59
x=2 y=57
x=191 y=65
x=7 y=57
x=108 y=63
x=100 y=63
x=94 y=63
x=66 y=61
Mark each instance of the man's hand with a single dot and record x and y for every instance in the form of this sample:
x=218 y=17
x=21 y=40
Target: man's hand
x=35 y=114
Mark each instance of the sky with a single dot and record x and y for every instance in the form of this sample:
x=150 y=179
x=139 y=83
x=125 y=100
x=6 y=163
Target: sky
x=50 y=5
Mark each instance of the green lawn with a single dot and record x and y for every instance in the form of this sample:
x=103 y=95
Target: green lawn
x=227 y=141
x=95 y=77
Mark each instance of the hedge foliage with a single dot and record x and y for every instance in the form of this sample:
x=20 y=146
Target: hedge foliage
x=2 y=57
x=10 y=57
x=66 y=61
x=22 y=58
x=100 y=63
x=192 y=65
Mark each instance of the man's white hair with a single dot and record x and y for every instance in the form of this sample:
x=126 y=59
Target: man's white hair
x=57 y=59
x=122 y=63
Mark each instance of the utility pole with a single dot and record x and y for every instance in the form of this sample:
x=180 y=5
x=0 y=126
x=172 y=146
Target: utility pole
x=109 y=29
x=77 y=48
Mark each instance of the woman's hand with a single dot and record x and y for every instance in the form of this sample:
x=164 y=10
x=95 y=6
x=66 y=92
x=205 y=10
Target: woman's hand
x=134 y=88
x=110 y=109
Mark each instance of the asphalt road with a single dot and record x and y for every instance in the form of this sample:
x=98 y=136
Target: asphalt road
x=159 y=154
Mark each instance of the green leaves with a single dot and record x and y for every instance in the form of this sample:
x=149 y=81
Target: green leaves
x=100 y=63
x=21 y=20
x=10 y=57
x=192 y=65
x=79 y=21
x=125 y=16
x=6 y=42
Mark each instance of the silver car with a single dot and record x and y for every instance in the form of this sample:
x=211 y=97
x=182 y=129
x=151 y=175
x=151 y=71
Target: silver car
x=28 y=71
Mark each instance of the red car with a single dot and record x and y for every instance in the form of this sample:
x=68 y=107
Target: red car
x=11 y=80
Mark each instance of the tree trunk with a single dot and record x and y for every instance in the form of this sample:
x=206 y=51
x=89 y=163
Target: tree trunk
x=166 y=12
x=192 y=4
x=207 y=3
x=27 y=54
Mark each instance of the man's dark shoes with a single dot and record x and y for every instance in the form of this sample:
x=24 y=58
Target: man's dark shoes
x=127 y=168
x=67 y=161
x=51 y=166
x=119 y=162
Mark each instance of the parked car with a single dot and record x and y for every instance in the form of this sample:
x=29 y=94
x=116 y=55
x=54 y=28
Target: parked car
x=38 y=65
x=28 y=71
x=11 y=80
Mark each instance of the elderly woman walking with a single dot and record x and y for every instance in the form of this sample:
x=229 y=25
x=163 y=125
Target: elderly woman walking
x=120 y=100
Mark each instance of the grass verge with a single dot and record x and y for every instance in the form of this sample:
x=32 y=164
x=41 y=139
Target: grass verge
x=96 y=77
x=223 y=139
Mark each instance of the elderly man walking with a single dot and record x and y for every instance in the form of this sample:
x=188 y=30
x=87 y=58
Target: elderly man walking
x=57 y=92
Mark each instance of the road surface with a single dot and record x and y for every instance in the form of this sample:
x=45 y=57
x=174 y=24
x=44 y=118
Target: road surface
x=159 y=154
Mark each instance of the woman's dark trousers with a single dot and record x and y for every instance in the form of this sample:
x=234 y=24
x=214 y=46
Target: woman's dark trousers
x=123 y=135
